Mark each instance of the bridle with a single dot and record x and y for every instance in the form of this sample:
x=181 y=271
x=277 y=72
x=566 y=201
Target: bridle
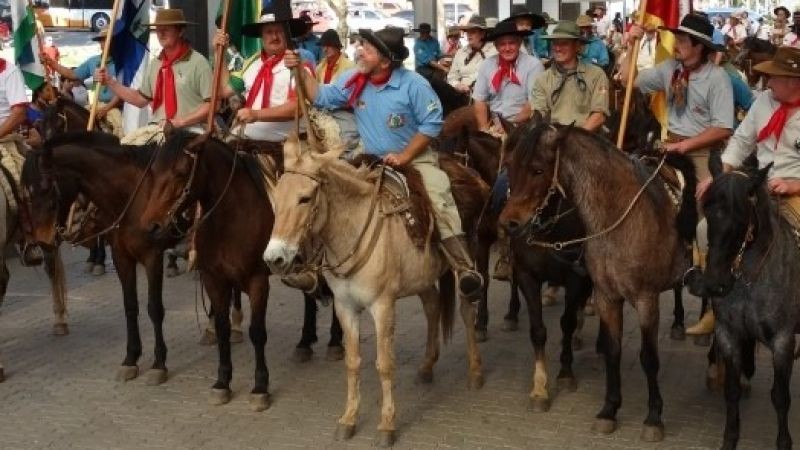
x=737 y=266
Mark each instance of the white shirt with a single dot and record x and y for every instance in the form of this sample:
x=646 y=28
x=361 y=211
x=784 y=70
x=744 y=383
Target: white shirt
x=282 y=91
x=465 y=73
x=763 y=31
x=602 y=26
x=785 y=154
x=737 y=33
x=647 y=52
x=12 y=90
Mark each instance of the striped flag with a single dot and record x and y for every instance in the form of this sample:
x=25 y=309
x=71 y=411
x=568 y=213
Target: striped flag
x=129 y=45
x=26 y=49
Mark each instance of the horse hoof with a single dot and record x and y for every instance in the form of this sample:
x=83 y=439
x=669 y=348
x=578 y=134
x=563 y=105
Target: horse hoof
x=171 y=272
x=702 y=340
x=127 y=373
x=302 y=355
x=237 y=337
x=345 y=432
x=677 y=333
x=156 y=377
x=653 y=433
x=219 y=397
x=540 y=404
x=385 y=439
x=60 y=329
x=88 y=267
x=425 y=377
x=259 y=402
x=98 y=269
x=588 y=310
x=569 y=384
x=476 y=382
x=334 y=353
x=208 y=338
x=604 y=426
x=510 y=325
x=577 y=343
x=481 y=336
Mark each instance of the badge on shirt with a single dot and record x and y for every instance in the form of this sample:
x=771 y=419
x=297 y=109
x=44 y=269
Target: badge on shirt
x=396 y=121
x=797 y=144
x=433 y=106
x=360 y=104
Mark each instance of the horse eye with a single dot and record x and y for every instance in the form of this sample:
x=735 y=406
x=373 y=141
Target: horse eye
x=305 y=199
x=538 y=172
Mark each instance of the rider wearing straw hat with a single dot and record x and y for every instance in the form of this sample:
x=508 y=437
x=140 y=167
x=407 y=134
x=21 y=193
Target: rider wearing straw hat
x=398 y=116
x=177 y=85
x=468 y=58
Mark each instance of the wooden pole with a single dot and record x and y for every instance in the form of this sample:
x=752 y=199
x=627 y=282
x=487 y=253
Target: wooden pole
x=219 y=60
x=104 y=57
x=39 y=39
x=633 y=56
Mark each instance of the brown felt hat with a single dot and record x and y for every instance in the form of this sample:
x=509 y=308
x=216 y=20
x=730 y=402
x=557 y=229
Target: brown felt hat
x=169 y=16
x=785 y=63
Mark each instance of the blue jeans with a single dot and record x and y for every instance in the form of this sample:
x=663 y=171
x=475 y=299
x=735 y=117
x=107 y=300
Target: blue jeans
x=499 y=192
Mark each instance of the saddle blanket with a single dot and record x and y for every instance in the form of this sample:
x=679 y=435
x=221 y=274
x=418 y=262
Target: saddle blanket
x=12 y=148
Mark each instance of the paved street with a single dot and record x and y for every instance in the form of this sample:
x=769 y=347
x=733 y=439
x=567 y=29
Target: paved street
x=60 y=391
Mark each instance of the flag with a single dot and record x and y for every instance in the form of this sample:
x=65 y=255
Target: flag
x=26 y=48
x=130 y=36
x=242 y=12
x=664 y=13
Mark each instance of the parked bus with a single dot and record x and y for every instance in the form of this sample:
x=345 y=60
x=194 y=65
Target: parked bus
x=85 y=14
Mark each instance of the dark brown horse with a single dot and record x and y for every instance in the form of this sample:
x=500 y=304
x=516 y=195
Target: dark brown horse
x=230 y=237
x=634 y=249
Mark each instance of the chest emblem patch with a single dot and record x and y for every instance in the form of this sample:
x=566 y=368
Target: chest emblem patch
x=433 y=106
x=396 y=121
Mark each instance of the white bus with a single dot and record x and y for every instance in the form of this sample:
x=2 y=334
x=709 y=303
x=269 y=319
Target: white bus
x=81 y=14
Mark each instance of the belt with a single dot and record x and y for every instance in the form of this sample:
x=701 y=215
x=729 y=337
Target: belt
x=674 y=137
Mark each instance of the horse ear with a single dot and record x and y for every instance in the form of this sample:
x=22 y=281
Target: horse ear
x=537 y=119
x=169 y=128
x=715 y=164
x=759 y=178
x=291 y=150
x=196 y=143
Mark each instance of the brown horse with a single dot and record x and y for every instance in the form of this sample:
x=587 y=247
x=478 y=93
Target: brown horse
x=633 y=250
x=370 y=260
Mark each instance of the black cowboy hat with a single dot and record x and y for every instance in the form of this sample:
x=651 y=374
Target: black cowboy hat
x=388 y=41
x=476 y=22
x=506 y=28
x=305 y=16
x=520 y=11
x=424 y=28
x=275 y=14
x=330 y=38
x=782 y=8
x=698 y=27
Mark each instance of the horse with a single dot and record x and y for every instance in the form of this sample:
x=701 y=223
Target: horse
x=369 y=259
x=230 y=189
x=753 y=52
x=752 y=272
x=450 y=98
x=636 y=242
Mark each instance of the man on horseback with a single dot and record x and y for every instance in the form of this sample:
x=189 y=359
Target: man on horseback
x=594 y=47
x=398 y=115
x=427 y=52
x=467 y=59
x=505 y=81
x=528 y=21
x=177 y=86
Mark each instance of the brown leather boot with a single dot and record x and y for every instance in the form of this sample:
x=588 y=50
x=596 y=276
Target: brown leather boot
x=502 y=268
x=470 y=281
x=704 y=326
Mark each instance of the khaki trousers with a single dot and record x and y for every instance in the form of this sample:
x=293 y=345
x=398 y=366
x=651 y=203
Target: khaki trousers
x=437 y=184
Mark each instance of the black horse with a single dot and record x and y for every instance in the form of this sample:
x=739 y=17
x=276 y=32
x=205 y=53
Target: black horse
x=753 y=271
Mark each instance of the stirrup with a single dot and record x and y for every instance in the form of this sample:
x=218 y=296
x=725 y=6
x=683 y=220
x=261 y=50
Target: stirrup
x=470 y=285
x=502 y=269
x=30 y=255
x=306 y=281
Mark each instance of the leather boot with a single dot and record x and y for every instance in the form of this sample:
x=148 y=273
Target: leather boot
x=470 y=282
x=502 y=268
x=704 y=326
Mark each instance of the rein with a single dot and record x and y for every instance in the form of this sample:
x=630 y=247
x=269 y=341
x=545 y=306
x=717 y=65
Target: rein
x=737 y=269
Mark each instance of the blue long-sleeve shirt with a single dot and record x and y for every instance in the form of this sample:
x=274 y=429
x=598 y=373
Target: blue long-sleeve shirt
x=595 y=52
x=425 y=51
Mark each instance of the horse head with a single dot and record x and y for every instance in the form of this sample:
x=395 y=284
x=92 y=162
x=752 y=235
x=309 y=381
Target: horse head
x=532 y=155
x=301 y=206
x=40 y=199
x=731 y=208
x=60 y=116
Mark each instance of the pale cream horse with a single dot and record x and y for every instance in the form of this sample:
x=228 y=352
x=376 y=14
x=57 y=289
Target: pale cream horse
x=369 y=263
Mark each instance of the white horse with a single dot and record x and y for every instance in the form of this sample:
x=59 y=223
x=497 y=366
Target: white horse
x=369 y=262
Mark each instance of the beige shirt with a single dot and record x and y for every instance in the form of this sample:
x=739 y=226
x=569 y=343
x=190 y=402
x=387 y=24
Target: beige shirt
x=465 y=73
x=576 y=100
x=192 y=84
x=784 y=153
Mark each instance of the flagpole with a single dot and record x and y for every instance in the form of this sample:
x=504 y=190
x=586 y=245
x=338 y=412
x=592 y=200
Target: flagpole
x=104 y=58
x=39 y=39
x=219 y=60
x=634 y=55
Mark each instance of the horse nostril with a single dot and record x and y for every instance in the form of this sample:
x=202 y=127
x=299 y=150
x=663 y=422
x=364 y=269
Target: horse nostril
x=512 y=225
x=278 y=261
x=154 y=228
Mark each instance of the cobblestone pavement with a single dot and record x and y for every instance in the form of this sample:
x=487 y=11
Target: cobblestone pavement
x=60 y=391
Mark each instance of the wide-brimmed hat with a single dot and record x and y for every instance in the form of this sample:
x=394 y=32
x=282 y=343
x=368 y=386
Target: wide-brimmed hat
x=506 y=28
x=584 y=21
x=330 y=38
x=782 y=8
x=424 y=28
x=565 y=29
x=453 y=31
x=271 y=14
x=548 y=20
x=520 y=11
x=169 y=16
x=476 y=22
x=101 y=36
x=785 y=63
x=388 y=41
x=697 y=26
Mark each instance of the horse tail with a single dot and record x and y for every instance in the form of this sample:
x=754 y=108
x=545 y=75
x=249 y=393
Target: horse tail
x=687 y=218
x=447 y=302
x=54 y=266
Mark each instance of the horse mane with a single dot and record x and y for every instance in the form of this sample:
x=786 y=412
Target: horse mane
x=107 y=144
x=733 y=191
x=64 y=102
x=84 y=138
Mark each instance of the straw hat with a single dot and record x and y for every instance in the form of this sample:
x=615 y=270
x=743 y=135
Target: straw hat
x=584 y=21
x=476 y=22
x=785 y=63
x=454 y=31
x=169 y=16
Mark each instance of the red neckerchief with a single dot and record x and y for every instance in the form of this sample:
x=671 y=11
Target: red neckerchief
x=331 y=64
x=680 y=84
x=359 y=81
x=165 y=82
x=2 y=65
x=264 y=80
x=777 y=122
x=452 y=47
x=504 y=69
